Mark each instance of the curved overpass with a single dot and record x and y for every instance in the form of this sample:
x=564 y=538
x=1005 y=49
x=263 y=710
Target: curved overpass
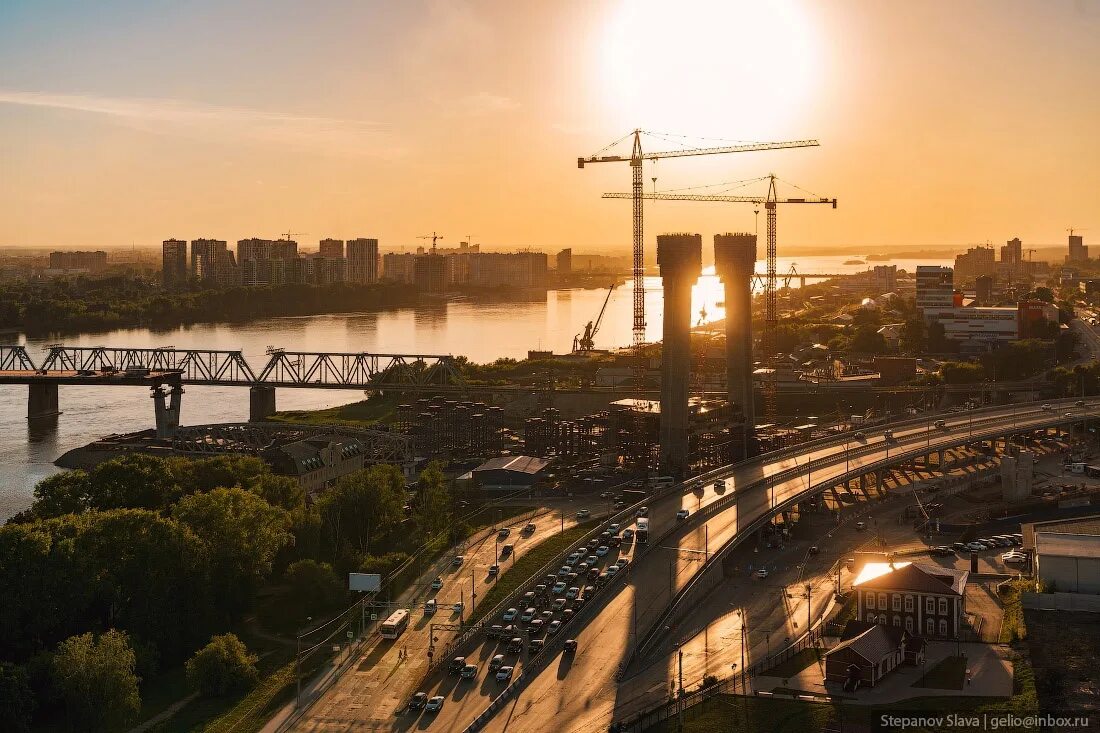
x=579 y=693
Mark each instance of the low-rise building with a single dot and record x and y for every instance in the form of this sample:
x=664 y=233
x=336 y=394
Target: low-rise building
x=1068 y=563
x=318 y=461
x=922 y=599
x=867 y=652
x=508 y=473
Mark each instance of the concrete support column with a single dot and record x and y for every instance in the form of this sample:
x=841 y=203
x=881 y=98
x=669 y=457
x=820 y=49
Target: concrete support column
x=167 y=401
x=880 y=478
x=863 y=484
x=734 y=263
x=680 y=257
x=42 y=400
x=261 y=403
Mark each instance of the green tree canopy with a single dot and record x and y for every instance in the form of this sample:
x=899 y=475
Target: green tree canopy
x=433 y=511
x=243 y=533
x=314 y=586
x=362 y=508
x=16 y=699
x=97 y=681
x=222 y=667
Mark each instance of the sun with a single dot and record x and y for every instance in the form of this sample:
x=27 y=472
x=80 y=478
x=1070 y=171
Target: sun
x=723 y=67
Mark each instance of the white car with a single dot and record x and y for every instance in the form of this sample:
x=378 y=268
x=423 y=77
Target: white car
x=434 y=704
x=584 y=514
x=1014 y=557
x=762 y=573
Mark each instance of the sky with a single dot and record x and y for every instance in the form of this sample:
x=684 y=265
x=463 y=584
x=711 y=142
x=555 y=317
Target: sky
x=954 y=122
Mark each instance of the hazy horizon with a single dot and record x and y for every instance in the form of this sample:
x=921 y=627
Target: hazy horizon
x=940 y=126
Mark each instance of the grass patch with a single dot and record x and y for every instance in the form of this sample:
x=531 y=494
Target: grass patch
x=948 y=674
x=792 y=666
x=375 y=409
x=1013 y=626
x=531 y=562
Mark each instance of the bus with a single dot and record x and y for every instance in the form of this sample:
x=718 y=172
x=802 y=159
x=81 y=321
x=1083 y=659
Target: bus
x=641 y=534
x=396 y=624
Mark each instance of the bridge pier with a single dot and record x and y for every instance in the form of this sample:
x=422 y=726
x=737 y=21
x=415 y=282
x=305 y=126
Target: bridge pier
x=166 y=408
x=261 y=403
x=42 y=401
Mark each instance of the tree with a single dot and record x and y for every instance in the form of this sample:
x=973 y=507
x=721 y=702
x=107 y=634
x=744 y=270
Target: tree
x=62 y=493
x=314 y=586
x=914 y=337
x=222 y=667
x=361 y=508
x=434 y=503
x=1044 y=294
x=97 y=681
x=868 y=341
x=16 y=699
x=954 y=372
x=243 y=533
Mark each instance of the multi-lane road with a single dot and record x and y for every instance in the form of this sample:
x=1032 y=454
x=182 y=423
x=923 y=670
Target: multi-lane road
x=579 y=692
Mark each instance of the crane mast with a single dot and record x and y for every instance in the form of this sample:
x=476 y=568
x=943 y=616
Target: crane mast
x=639 y=249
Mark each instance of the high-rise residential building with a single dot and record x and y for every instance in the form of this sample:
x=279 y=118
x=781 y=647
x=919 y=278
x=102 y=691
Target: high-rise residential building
x=564 y=261
x=363 y=261
x=983 y=289
x=213 y=264
x=266 y=261
x=1013 y=252
x=515 y=269
x=399 y=267
x=77 y=260
x=430 y=273
x=316 y=269
x=884 y=278
x=173 y=263
x=332 y=248
x=974 y=263
x=1078 y=252
x=935 y=288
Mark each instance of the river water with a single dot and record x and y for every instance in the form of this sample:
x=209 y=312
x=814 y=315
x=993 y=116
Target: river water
x=483 y=332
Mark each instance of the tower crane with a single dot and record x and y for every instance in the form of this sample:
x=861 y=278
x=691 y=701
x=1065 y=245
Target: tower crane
x=636 y=159
x=586 y=341
x=434 y=237
x=771 y=316
x=289 y=234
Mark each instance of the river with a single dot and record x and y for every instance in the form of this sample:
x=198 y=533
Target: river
x=481 y=331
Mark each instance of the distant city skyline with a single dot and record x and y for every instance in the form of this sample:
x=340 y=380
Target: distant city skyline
x=940 y=125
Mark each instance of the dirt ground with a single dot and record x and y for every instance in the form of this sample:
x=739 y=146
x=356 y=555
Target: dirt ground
x=1063 y=648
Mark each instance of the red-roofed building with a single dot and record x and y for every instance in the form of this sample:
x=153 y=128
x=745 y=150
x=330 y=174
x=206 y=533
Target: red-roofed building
x=922 y=599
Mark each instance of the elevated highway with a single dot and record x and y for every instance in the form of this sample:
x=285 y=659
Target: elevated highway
x=580 y=692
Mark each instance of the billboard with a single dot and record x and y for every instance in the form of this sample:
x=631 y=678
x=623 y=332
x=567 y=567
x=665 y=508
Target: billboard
x=364 y=582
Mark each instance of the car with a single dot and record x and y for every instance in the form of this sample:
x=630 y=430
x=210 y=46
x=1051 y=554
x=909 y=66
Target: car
x=430 y=607
x=515 y=645
x=604 y=577
x=861 y=526
x=458 y=560
x=571 y=578
x=613 y=528
x=615 y=541
x=959 y=546
x=859 y=436
x=643 y=511
x=504 y=674
x=584 y=514
x=593 y=543
x=1079 y=403
x=418 y=701
x=612 y=569
x=458 y=607
x=508 y=632
x=559 y=604
x=528 y=528
x=496 y=662
x=494 y=569
x=605 y=536
x=535 y=627
x=529 y=598
x=506 y=550
x=628 y=535
x=495 y=631
x=571 y=646
x=602 y=550
x=434 y=704
x=974 y=547
x=941 y=550
x=1003 y=541
x=592 y=561
x=762 y=573
x=437 y=583
x=503 y=533
x=550 y=579
x=456 y=665
x=583 y=568
x=469 y=672
x=1048 y=408
x=606 y=495
x=572 y=593
x=940 y=424
x=540 y=589
x=558 y=588
x=621 y=563
x=527 y=615
x=564 y=570
x=888 y=436
x=1014 y=559
x=1070 y=415
x=553 y=627
x=682 y=515
x=719 y=486
x=593 y=573
x=510 y=615
x=547 y=616
x=535 y=646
